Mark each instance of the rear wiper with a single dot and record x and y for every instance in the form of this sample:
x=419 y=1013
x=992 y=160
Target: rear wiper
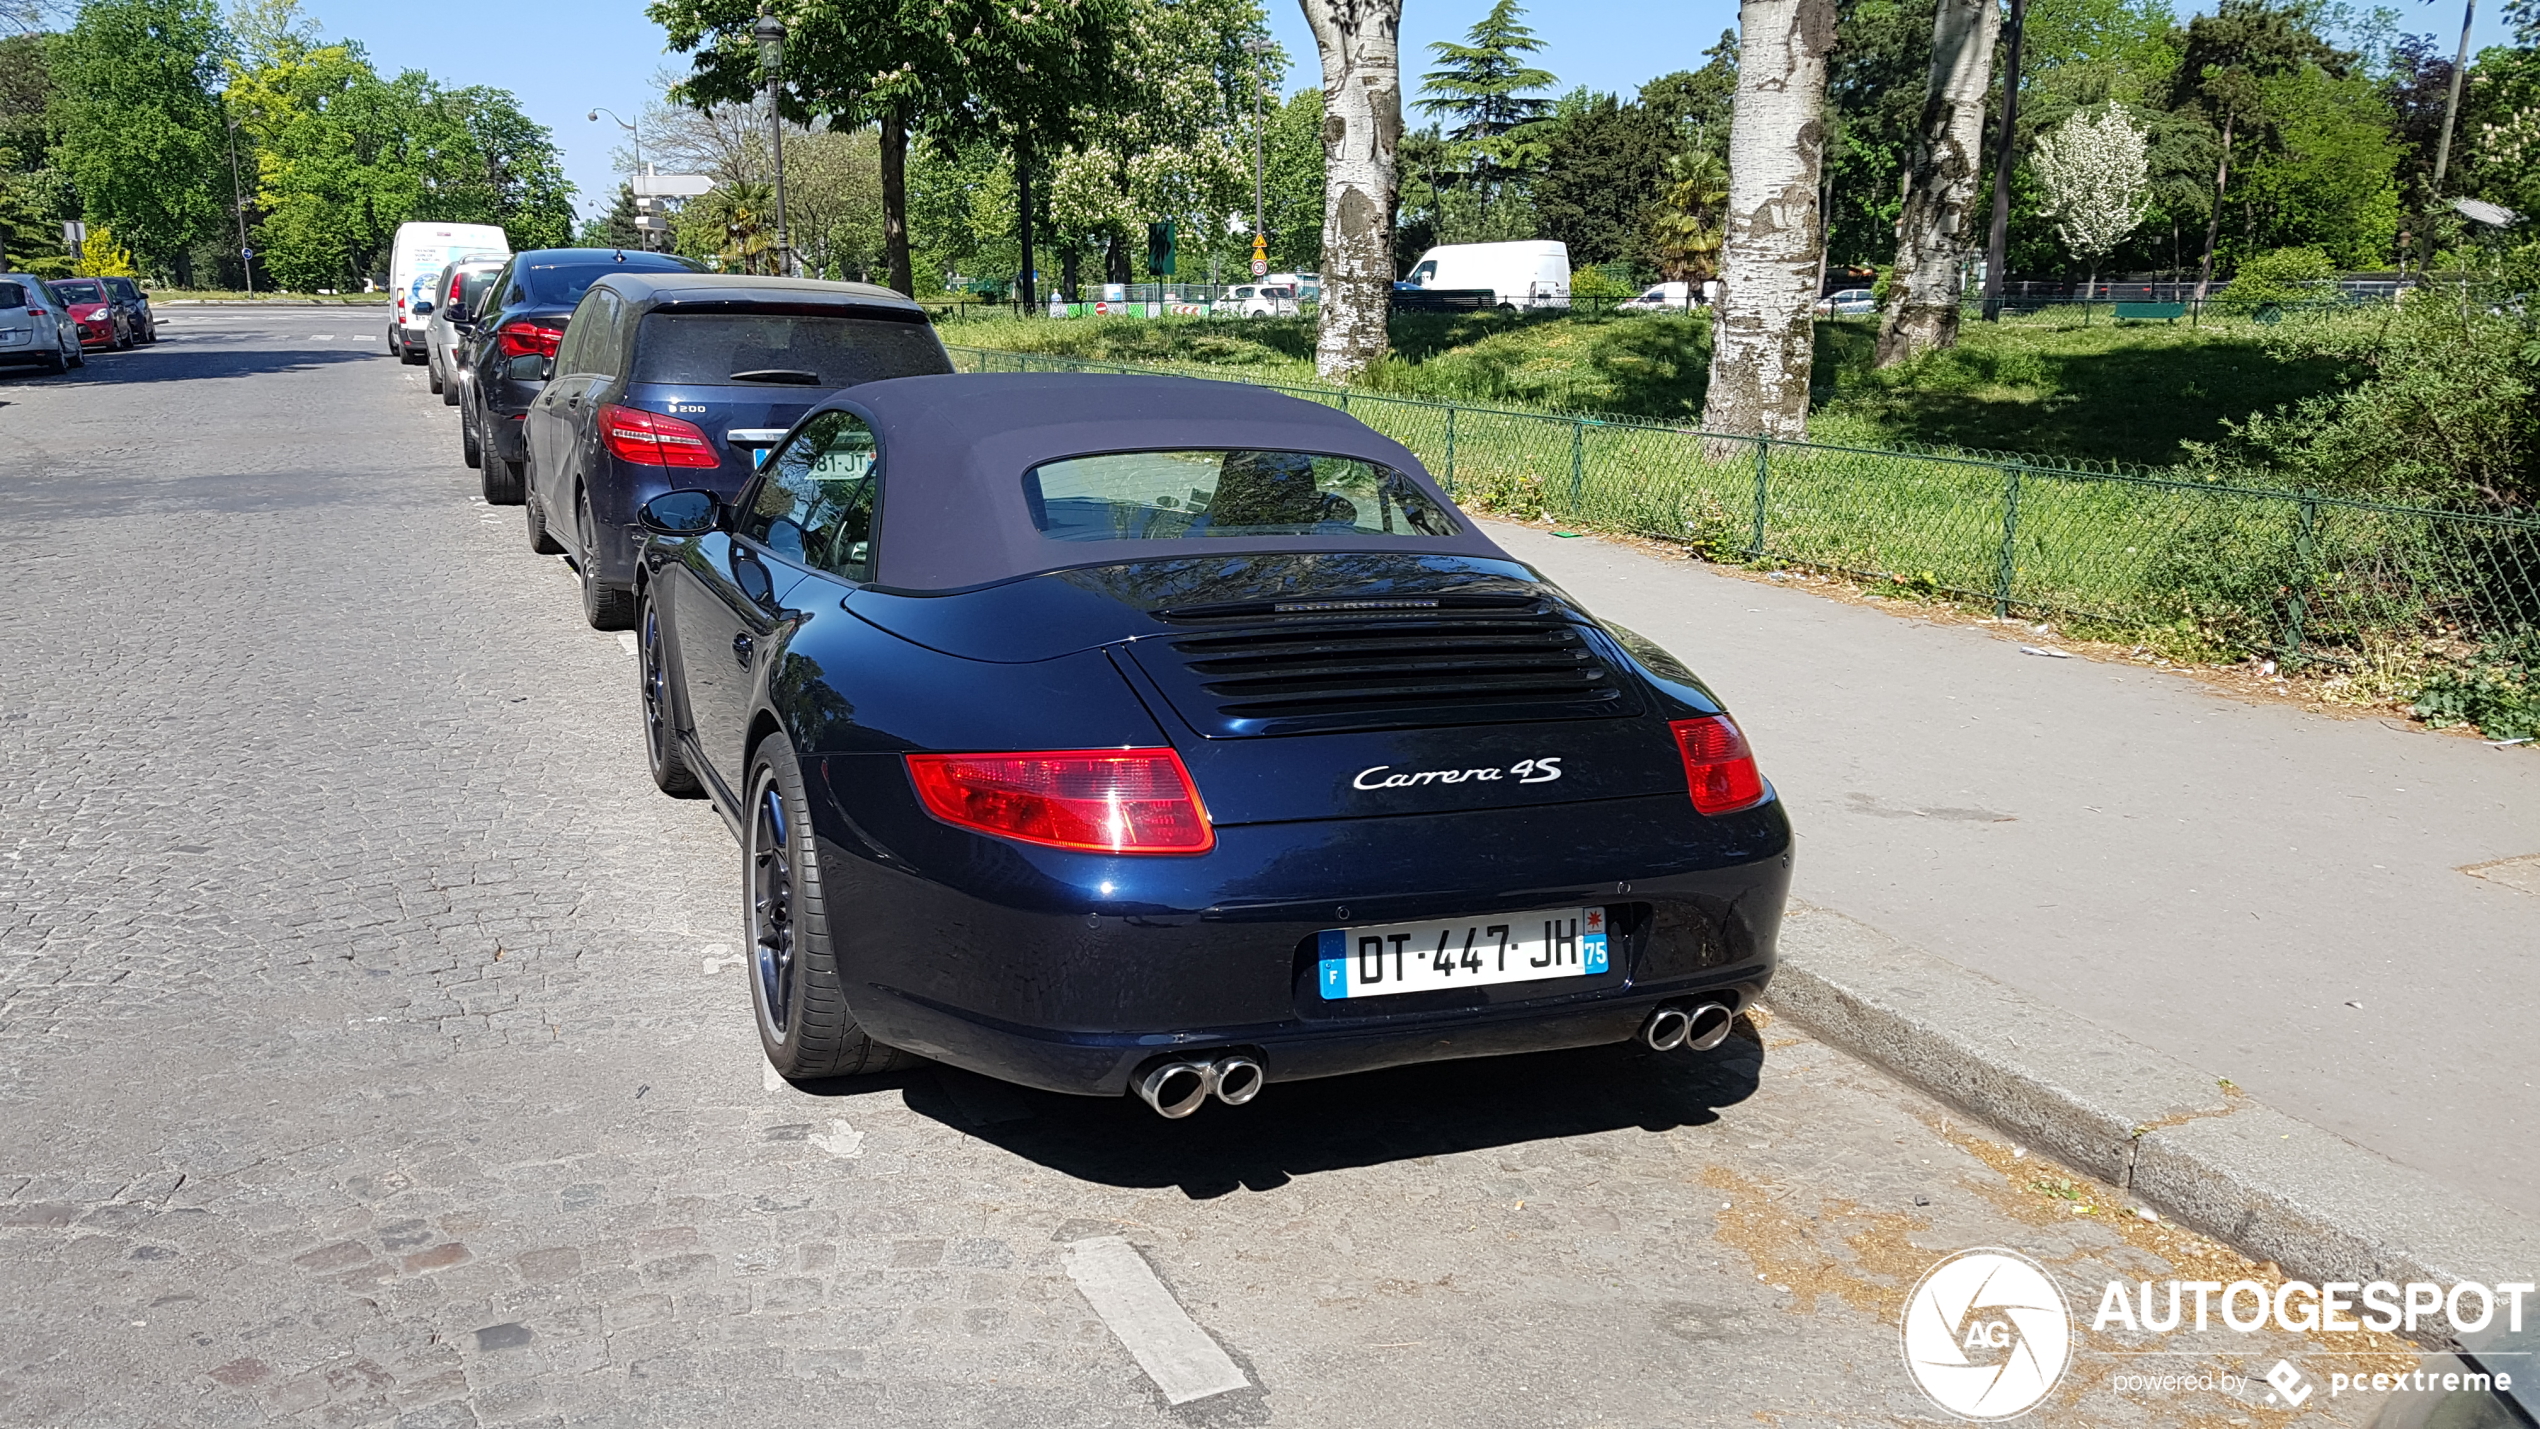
x=794 y=376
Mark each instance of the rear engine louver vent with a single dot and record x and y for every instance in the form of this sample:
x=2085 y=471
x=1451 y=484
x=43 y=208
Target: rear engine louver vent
x=1305 y=673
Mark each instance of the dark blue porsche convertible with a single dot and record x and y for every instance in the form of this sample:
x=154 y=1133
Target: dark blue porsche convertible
x=1115 y=734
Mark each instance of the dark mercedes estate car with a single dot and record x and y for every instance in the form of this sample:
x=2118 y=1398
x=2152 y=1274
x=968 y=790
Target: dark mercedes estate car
x=1125 y=733
x=681 y=380
x=511 y=340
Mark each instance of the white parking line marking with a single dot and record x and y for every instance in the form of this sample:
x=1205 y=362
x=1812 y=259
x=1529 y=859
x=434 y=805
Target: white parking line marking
x=1174 y=1351
x=626 y=641
x=768 y=1077
x=322 y=337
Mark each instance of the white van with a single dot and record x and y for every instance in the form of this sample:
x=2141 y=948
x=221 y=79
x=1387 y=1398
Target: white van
x=1532 y=274
x=422 y=250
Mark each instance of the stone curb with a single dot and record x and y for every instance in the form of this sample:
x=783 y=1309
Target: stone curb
x=2319 y=1206
x=328 y=303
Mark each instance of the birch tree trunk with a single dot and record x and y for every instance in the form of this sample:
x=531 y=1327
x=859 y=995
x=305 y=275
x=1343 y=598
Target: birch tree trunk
x=1360 y=41
x=1762 y=332
x=1923 y=293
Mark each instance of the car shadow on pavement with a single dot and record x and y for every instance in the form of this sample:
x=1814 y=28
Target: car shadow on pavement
x=155 y=364
x=1299 y=1128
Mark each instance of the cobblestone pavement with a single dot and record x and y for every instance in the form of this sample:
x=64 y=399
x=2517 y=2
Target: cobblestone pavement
x=372 y=1052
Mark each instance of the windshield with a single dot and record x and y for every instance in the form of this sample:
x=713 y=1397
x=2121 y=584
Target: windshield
x=79 y=292
x=563 y=284
x=785 y=349
x=1179 y=495
x=1421 y=275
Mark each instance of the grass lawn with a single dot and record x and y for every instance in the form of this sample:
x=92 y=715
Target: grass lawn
x=2050 y=386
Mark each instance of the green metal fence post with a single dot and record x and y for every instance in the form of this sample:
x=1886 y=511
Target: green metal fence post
x=2297 y=605
x=1578 y=459
x=2005 y=564
x=1763 y=470
x=1450 y=449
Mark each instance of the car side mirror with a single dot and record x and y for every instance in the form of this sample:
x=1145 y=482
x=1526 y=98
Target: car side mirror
x=457 y=315
x=681 y=513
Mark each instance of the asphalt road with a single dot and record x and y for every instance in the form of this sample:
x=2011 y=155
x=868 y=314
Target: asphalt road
x=2270 y=894
x=372 y=1053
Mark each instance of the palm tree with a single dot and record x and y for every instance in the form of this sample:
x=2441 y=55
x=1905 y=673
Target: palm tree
x=1684 y=225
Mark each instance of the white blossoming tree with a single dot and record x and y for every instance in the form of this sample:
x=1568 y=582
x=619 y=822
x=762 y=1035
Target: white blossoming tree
x=2097 y=175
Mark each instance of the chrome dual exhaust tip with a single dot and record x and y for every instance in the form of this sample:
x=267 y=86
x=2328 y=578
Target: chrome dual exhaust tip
x=1696 y=1029
x=1177 y=1089
x=1665 y=1029
x=1708 y=1026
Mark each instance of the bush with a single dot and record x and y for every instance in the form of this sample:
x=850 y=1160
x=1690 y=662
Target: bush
x=2498 y=691
x=2444 y=408
x=2287 y=275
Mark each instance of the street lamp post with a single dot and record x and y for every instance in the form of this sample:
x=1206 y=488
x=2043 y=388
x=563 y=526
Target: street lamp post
x=643 y=236
x=1257 y=47
x=238 y=201
x=770 y=33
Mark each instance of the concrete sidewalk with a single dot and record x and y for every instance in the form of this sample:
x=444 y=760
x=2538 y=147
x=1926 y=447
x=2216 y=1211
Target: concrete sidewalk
x=2267 y=894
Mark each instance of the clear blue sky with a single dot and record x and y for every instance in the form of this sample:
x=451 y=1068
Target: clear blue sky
x=564 y=56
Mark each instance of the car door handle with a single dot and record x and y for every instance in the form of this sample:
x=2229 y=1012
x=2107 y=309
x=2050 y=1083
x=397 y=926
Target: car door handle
x=742 y=646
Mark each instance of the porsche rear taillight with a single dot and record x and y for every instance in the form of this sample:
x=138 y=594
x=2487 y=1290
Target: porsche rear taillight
x=651 y=439
x=1096 y=800
x=523 y=338
x=1720 y=770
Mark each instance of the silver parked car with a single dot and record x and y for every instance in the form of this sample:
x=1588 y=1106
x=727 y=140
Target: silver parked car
x=34 y=328
x=455 y=294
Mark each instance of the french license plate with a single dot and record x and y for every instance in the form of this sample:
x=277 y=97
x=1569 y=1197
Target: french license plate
x=1423 y=957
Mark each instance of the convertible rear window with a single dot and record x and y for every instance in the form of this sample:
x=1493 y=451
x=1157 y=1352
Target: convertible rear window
x=804 y=350
x=1178 y=495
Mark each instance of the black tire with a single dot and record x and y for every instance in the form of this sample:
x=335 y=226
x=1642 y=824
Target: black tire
x=432 y=379
x=55 y=364
x=605 y=606
x=502 y=480
x=797 y=995
x=78 y=357
x=668 y=761
x=392 y=340
x=471 y=449
x=540 y=540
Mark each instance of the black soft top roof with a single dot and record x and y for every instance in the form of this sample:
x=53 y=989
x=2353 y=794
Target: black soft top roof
x=954 y=450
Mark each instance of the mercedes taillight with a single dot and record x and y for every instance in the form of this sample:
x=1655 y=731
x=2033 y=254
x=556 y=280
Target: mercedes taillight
x=651 y=439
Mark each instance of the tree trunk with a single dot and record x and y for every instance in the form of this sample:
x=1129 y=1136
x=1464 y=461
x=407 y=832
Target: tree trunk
x=1023 y=286
x=2213 y=225
x=895 y=204
x=1116 y=259
x=1360 y=42
x=1923 y=291
x=1762 y=333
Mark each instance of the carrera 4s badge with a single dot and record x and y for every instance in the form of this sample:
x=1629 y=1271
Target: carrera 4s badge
x=1524 y=771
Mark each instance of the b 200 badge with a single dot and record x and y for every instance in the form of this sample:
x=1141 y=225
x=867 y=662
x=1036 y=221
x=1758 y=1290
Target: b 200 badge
x=1525 y=771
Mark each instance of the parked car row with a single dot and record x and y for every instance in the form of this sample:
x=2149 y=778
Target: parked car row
x=54 y=323
x=1109 y=735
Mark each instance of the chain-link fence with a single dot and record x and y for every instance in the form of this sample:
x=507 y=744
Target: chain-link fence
x=2205 y=568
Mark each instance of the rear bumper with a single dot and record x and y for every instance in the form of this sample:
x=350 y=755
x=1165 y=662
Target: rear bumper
x=411 y=340
x=1013 y=962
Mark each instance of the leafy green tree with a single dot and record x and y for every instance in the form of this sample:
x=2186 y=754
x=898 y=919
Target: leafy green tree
x=1293 y=182
x=947 y=73
x=343 y=157
x=1488 y=99
x=34 y=198
x=1602 y=171
x=2224 y=61
x=142 y=138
